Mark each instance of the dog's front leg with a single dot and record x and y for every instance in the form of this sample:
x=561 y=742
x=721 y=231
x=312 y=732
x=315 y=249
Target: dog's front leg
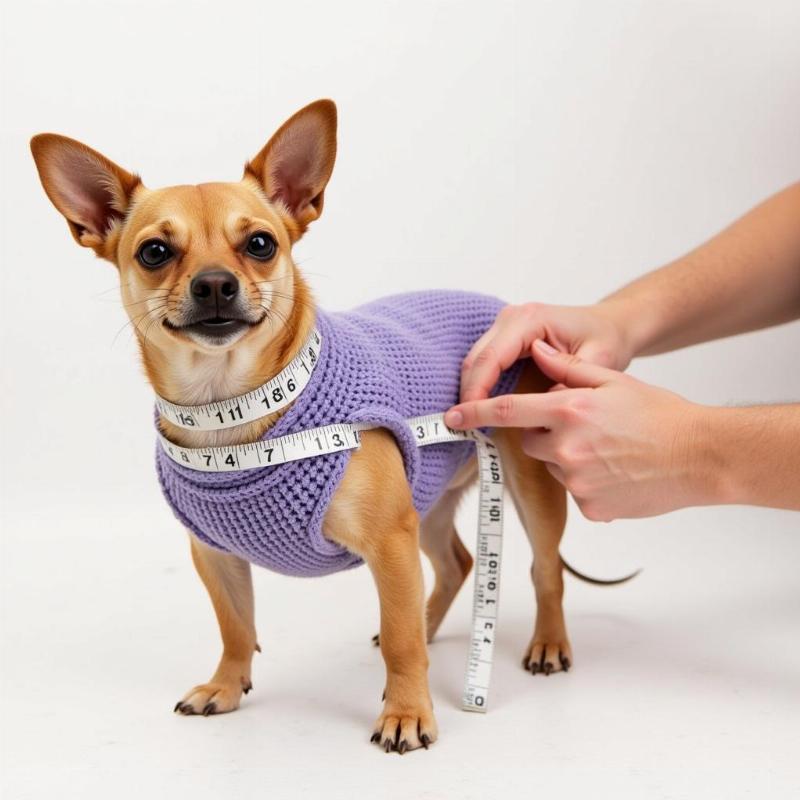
x=372 y=514
x=407 y=720
x=230 y=586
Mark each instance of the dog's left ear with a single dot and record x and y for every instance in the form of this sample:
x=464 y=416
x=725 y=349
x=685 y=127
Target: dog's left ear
x=296 y=164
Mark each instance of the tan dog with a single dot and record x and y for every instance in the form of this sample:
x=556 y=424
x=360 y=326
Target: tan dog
x=242 y=233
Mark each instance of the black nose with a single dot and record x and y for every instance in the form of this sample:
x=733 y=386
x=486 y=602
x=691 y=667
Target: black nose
x=214 y=288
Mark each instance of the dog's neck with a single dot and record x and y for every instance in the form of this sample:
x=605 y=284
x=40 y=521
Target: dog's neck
x=196 y=377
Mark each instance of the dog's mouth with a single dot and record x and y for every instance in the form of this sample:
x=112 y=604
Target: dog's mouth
x=214 y=330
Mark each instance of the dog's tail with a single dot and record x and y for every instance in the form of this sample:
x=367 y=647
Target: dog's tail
x=597 y=581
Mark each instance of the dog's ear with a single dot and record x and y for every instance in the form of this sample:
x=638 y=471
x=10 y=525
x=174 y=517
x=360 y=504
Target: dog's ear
x=295 y=165
x=92 y=192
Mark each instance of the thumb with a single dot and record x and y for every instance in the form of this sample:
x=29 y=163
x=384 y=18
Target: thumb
x=568 y=369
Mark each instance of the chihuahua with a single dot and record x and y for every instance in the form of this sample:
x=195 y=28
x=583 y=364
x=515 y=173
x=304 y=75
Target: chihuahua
x=218 y=307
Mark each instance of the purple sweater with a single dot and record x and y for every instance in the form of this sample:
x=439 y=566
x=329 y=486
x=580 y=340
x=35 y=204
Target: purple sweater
x=380 y=363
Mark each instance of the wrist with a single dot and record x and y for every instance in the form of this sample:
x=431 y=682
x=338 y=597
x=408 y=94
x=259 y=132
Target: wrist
x=621 y=317
x=641 y=324
x=713 y=474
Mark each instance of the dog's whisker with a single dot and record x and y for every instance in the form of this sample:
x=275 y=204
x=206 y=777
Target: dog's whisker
x=275 y=280
x=116 y=287
x=156 y=318
x=145 y=300
x=157 y=292
x=304 y=261
x=271 y=314
x=132 y=321
x=292 y=298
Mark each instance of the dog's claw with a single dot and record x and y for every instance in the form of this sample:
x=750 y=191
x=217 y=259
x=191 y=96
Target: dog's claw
x=547 y=657
x=248 y=688
x=376 y=640
x=394 y=732
x=177 y=706
x=209 y=708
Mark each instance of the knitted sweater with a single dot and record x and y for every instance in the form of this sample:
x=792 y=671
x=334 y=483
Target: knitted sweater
x=379 y=364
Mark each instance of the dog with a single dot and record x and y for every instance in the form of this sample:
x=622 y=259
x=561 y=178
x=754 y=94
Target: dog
x=219 y=307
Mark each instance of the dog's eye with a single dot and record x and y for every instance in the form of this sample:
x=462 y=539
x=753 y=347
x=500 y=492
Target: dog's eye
x=261 y=246
x=153 y=254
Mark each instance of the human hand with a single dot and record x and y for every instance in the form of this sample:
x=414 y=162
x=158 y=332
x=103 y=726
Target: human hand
x=621 y=447
x=591 y=332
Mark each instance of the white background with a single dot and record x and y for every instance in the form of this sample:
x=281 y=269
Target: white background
x=548 y=151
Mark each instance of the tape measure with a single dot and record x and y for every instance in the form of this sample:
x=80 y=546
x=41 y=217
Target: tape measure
x=427 y=430
x=273 y=396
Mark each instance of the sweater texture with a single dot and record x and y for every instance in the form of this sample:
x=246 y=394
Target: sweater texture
x=379 y=364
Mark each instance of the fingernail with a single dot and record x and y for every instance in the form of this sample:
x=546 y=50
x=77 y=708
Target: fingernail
x=544 y=347
x=453 y=419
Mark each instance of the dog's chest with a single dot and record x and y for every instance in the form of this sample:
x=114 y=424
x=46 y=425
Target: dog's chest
x=380 y=364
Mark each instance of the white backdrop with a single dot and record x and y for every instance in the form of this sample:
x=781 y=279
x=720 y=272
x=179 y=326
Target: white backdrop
x=542 y=150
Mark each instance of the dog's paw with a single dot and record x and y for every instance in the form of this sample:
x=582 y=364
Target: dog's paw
x=544 y=658
x=213 y=698
x=400 y=731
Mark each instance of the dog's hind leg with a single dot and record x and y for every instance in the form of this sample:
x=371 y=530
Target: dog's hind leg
x=541 y=503
x=230 y=586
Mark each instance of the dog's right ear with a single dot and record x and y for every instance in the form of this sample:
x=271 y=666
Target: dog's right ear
x=92 y=192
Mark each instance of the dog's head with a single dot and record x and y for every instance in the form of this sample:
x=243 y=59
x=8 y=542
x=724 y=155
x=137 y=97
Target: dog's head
x=201 y=267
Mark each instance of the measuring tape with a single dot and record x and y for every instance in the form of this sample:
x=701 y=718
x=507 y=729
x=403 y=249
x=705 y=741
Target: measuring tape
x=427 y=430
x=274 y=395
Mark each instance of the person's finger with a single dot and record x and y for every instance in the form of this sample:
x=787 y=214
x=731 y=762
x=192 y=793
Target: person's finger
x=477 y=347
x=481 y=369
x=503 y=344
x=506 y=411
x=570 y=369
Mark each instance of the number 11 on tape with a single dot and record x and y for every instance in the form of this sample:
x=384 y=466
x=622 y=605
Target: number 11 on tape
x=487 y=578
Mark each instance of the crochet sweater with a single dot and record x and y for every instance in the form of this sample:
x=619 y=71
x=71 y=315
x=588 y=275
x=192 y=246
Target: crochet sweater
x=380 y=363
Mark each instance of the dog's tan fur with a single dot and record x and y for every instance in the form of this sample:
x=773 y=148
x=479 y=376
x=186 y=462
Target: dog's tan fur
x=109 y=210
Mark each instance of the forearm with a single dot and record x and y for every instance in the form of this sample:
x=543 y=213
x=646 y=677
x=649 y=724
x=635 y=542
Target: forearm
x=750 y=456
x=745 y=278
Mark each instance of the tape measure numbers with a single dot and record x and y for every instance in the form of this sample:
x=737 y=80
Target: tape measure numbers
x=274 y=395
x=427 y=430
x=267 y=452
x=486 y=594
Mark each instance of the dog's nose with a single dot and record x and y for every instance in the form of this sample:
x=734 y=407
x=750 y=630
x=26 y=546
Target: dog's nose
x=214 y=288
